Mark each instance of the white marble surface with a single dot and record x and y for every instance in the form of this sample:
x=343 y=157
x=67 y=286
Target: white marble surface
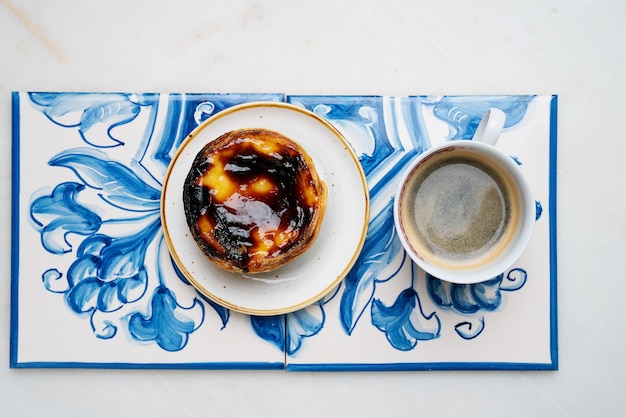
x=571 y=48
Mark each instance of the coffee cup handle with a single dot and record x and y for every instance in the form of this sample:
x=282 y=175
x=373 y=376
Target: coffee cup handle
x=490 y=127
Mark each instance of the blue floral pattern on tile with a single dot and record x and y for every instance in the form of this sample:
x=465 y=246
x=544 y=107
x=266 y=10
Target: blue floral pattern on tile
x=109 y=272
x=463 y=113
x=107 y=218
x=387 y=133
x=94 y=116
x=164 y=324
x=402 y=322
x=67 y=215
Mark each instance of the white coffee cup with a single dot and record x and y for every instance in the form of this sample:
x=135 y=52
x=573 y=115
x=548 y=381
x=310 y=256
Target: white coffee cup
x=464 y=210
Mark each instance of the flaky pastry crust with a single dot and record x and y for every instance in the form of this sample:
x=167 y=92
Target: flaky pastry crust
x=253 y=200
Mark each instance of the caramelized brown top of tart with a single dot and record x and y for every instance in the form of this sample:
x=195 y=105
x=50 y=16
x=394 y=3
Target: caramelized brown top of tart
x=253 y=200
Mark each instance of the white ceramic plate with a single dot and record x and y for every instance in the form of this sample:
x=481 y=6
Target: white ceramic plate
x=322 y=267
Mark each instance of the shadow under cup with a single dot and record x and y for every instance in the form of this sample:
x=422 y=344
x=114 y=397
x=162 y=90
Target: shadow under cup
x=464 y=212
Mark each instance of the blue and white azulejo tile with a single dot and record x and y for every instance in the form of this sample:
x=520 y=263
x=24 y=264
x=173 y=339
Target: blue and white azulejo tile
x=93 y=284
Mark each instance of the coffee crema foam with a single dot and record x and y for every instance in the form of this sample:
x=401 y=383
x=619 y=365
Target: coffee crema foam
x=460 y=211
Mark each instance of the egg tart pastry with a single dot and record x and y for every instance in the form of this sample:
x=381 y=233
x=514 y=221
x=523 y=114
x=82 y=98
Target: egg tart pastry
x=253 y=200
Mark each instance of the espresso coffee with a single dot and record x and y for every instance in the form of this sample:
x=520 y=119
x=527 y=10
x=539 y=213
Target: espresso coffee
x=459 y=211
